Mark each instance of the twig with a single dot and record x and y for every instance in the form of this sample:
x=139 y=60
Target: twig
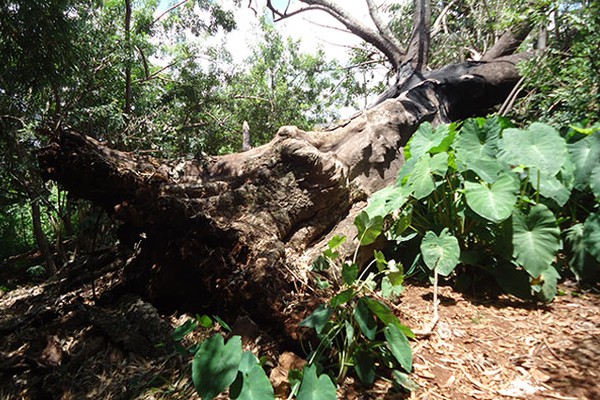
x=168 y=10
x=510 y=100
x=428 y=329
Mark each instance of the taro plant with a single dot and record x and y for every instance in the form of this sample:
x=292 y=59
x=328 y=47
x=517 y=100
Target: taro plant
x=218 y=365
x=355 y=330
x=498 y=198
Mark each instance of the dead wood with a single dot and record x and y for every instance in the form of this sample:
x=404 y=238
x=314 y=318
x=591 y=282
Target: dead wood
x=239 y=231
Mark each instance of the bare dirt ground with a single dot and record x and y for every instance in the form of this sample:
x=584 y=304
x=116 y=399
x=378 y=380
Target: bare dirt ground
x=69 y=339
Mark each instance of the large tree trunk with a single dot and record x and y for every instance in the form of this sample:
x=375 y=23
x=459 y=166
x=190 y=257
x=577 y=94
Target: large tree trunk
x=238 y=232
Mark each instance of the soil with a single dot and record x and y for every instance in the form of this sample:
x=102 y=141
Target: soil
x=81 y=335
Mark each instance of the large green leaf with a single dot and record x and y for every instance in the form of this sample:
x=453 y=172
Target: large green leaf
x=215 y=365
x=476 y=147
x=365 y=320
x=349 y=273
x=591 y=235
x=369 y=229
x=441 y=253
x=316 y=388
x=583 y=265
x=318 y=318
x=536 y=239
x=595 y=181
x=252 y=382
x=585 y=154
x=399 y=346
x=364 y=364
x=429 y=140
x=493 y=202
x=342 y=298
x=422 y=179
x=386 y=315
x=388 y=199
x=552 y=188
x=540 y=146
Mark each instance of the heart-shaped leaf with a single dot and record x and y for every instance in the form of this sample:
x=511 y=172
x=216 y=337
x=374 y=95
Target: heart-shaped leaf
x=540 y=146
x=318 y=318
x=365 y=320
x=215 y=365
x=386 y=315
x=369 y=229
x=552 y=188
x=585 y=154
x=429 y=140
x=441 y=253
x=252 y=382
x=536 y=239
x=476 y=147
x=316 y=388
x=493 y=202
x=421 y=179
x=591 y=235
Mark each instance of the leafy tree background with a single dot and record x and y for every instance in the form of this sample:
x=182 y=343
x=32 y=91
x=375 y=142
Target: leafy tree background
x=65 y=63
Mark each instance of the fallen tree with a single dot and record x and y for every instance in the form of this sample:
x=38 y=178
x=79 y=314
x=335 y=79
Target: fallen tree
x=237 y=233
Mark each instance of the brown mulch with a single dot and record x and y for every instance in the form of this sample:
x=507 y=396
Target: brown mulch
x=506 y=349
x=74 y=338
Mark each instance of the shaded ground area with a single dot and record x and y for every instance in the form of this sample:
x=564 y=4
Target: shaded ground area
x=82 y=335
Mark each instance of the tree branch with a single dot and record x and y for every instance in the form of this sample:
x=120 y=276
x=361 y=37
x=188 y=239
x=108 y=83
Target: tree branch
x=508 y=42
x=380 y=25
x=168 y=10
x=417 y=54
x=378 y=38
x=437 y=25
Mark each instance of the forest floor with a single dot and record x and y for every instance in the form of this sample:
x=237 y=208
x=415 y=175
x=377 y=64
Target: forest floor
x=82 y=336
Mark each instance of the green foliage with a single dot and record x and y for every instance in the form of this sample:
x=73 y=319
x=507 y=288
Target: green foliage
x=562 y=83
x=504 y=201
x=316 y=387
x=251 y=382
x=215 y=365
x=356 y=330
x=440 y=253
x=218 y=365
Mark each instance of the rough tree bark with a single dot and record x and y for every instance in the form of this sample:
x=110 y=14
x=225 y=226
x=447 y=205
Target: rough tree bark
x=238 y=232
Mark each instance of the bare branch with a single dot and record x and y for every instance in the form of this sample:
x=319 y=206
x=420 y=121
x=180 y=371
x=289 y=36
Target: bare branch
x=441 y=19
x=381 y=26
x=380 y=40
x=168 y=10
x=392 y=52
x=417 y=54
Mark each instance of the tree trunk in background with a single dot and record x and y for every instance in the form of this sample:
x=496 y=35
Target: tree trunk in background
x=246 y=141
x=237 y=233
x=128 y=93
x=40 y=238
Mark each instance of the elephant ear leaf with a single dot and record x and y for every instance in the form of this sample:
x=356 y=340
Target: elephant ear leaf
x=315 y=387
x=536 y=239
x=215 y=365
x=493 y=202
x=440 y=253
